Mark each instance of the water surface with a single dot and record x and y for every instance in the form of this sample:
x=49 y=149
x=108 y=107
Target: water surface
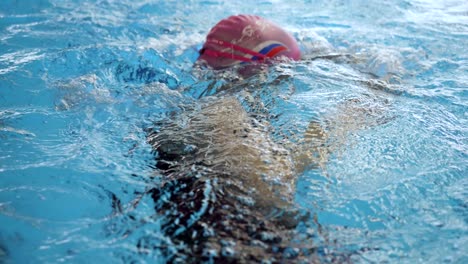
x=81 y=80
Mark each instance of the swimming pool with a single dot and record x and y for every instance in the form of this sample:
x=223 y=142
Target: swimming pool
x=80 y=81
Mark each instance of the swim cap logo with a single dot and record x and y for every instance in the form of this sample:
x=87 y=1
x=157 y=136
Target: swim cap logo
x=247 y=31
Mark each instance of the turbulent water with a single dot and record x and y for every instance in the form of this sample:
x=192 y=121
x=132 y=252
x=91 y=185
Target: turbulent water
x=82 y=81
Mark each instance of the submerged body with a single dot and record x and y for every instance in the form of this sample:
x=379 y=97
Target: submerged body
x=229 y=187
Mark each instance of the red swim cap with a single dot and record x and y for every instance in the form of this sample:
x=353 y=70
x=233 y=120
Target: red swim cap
x=246 y=38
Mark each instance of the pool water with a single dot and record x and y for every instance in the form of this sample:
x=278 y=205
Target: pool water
x=80 y=81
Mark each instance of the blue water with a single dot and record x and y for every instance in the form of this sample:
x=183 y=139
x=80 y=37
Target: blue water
x=81 y=80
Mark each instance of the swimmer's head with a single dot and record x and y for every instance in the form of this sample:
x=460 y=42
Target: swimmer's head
x=246 y=39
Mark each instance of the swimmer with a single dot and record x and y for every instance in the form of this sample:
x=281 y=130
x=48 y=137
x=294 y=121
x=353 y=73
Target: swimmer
x=228 y=187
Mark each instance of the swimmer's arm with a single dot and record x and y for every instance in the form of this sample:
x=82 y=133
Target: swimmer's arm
x=328 y=136
x=311 y=150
